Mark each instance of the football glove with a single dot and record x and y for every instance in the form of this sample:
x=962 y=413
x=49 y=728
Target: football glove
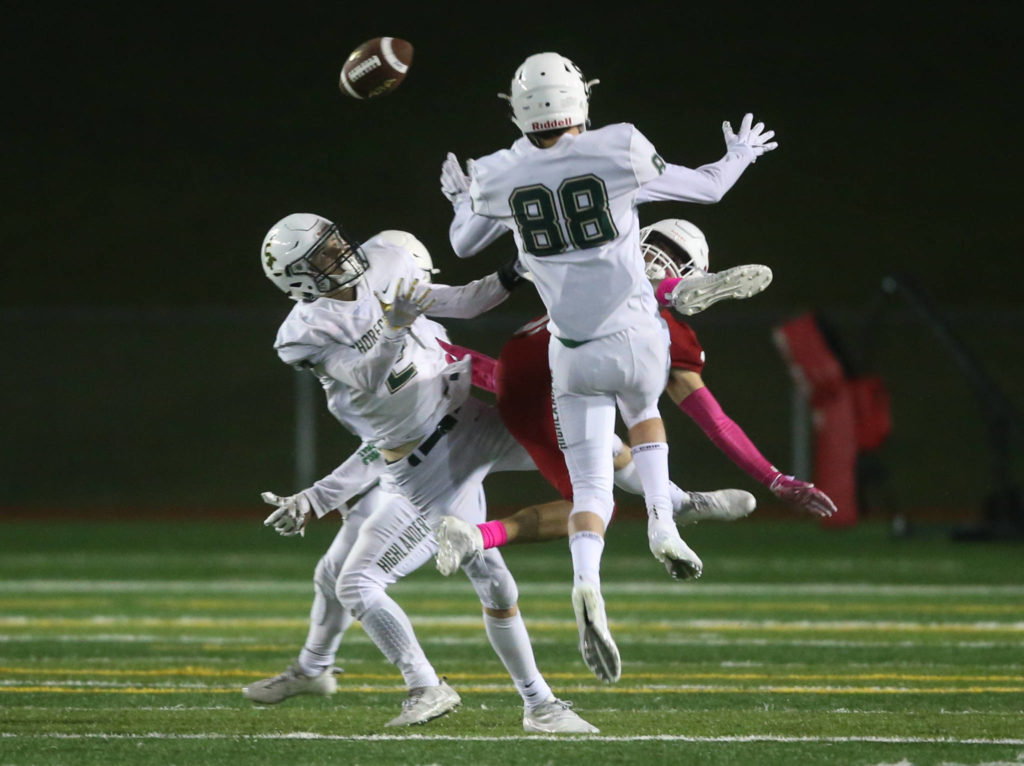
x=513 y=273
x=453 y=181
x=754 y=137
x=406 y=305
x=291 y=515
x=803 y=495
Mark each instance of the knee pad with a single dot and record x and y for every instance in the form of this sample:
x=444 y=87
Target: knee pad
x=600 y=503
x=493 y=583
x=357 y=592
x=325 y=597
x=325 y=578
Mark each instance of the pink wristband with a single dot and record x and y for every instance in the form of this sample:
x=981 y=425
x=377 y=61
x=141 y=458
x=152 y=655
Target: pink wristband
x=664 y=289
x=494 y=532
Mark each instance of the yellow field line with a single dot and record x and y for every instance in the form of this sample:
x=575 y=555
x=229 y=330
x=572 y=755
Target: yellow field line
x=739 y=676
x=36 y=603
x=460 y=623
x=589 y=690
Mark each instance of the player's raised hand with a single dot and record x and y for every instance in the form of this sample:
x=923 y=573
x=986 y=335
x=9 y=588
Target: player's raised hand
x=453 y=181
x=803 y=495
x=406 y=305
x=291 y=515
x=753 y=136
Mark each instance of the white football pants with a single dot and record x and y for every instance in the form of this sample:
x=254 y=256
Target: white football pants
x=628 y=369
x=382 y=539
x=445 y=475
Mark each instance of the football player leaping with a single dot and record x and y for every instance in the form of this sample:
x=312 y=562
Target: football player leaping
x=358 y=326
x=569 y=197
x=520 y=378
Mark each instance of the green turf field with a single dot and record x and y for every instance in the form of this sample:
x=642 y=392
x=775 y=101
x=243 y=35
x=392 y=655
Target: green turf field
x=128 y=643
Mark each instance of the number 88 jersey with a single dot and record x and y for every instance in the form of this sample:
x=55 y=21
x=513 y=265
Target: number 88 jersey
x=572 y=210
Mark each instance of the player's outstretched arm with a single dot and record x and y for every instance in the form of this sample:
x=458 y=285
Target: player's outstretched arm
x=709 y=183
x=468 y=232
x=687 y=390
x=474 y=298
x=358 y=473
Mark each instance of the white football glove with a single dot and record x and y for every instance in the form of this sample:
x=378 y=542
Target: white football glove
x=453 y=181
x=754 y=137
x=291 y=515
x=405 y=306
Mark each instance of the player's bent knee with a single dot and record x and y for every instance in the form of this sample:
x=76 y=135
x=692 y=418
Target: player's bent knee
x=493 y=583
x=600 y=504
x=325 y=578
x=358 y=593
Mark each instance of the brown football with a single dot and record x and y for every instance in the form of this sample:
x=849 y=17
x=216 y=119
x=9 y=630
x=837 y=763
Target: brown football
x=375 y=68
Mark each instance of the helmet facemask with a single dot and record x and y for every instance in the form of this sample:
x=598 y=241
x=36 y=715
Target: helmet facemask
x=663 y=259
x=333 y=262
x=673 y=248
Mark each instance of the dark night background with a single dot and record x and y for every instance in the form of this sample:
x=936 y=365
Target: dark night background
x=148 y=150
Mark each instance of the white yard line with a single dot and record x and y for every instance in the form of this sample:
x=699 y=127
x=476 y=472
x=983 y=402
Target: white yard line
x=434 y=620
x=255 y=644
x=444 y=586
x=591 y=710
x=728 y=739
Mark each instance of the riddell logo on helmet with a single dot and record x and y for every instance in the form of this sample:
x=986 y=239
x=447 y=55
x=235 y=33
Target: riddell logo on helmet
x=565 y=122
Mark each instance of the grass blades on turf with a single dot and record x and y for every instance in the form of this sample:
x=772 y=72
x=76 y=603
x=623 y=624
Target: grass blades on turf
x=129 y=643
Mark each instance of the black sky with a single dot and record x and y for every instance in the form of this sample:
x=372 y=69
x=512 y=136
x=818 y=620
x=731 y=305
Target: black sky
x=149 y=150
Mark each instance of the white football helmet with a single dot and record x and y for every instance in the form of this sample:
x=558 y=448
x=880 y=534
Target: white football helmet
x=673 y=248
x=549 y=92
x=419 y=251
x=307 y=256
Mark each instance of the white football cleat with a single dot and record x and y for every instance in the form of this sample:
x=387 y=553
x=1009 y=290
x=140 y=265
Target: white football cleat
x=598 y=648
x=425 y=703
x=668 y=548
x=457 y=542
x=292 y=682
x=694 y=294
x=720 y=505
x=555 y=717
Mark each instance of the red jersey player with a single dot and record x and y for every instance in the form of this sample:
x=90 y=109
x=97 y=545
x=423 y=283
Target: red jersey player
x=677 y=257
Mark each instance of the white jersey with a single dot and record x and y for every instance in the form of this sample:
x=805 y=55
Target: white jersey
x=387 y=390
x=572 y=210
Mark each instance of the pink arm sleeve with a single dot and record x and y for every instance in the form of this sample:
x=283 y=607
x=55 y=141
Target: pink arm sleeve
x=702 y=406
x=485 y=368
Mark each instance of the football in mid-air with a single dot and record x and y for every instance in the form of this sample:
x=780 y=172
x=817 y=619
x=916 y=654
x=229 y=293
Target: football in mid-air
x=376 y=67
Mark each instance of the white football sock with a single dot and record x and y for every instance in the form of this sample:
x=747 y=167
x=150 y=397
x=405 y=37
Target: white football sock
x=511 y=642
x=586 y=549
x=651 y=462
